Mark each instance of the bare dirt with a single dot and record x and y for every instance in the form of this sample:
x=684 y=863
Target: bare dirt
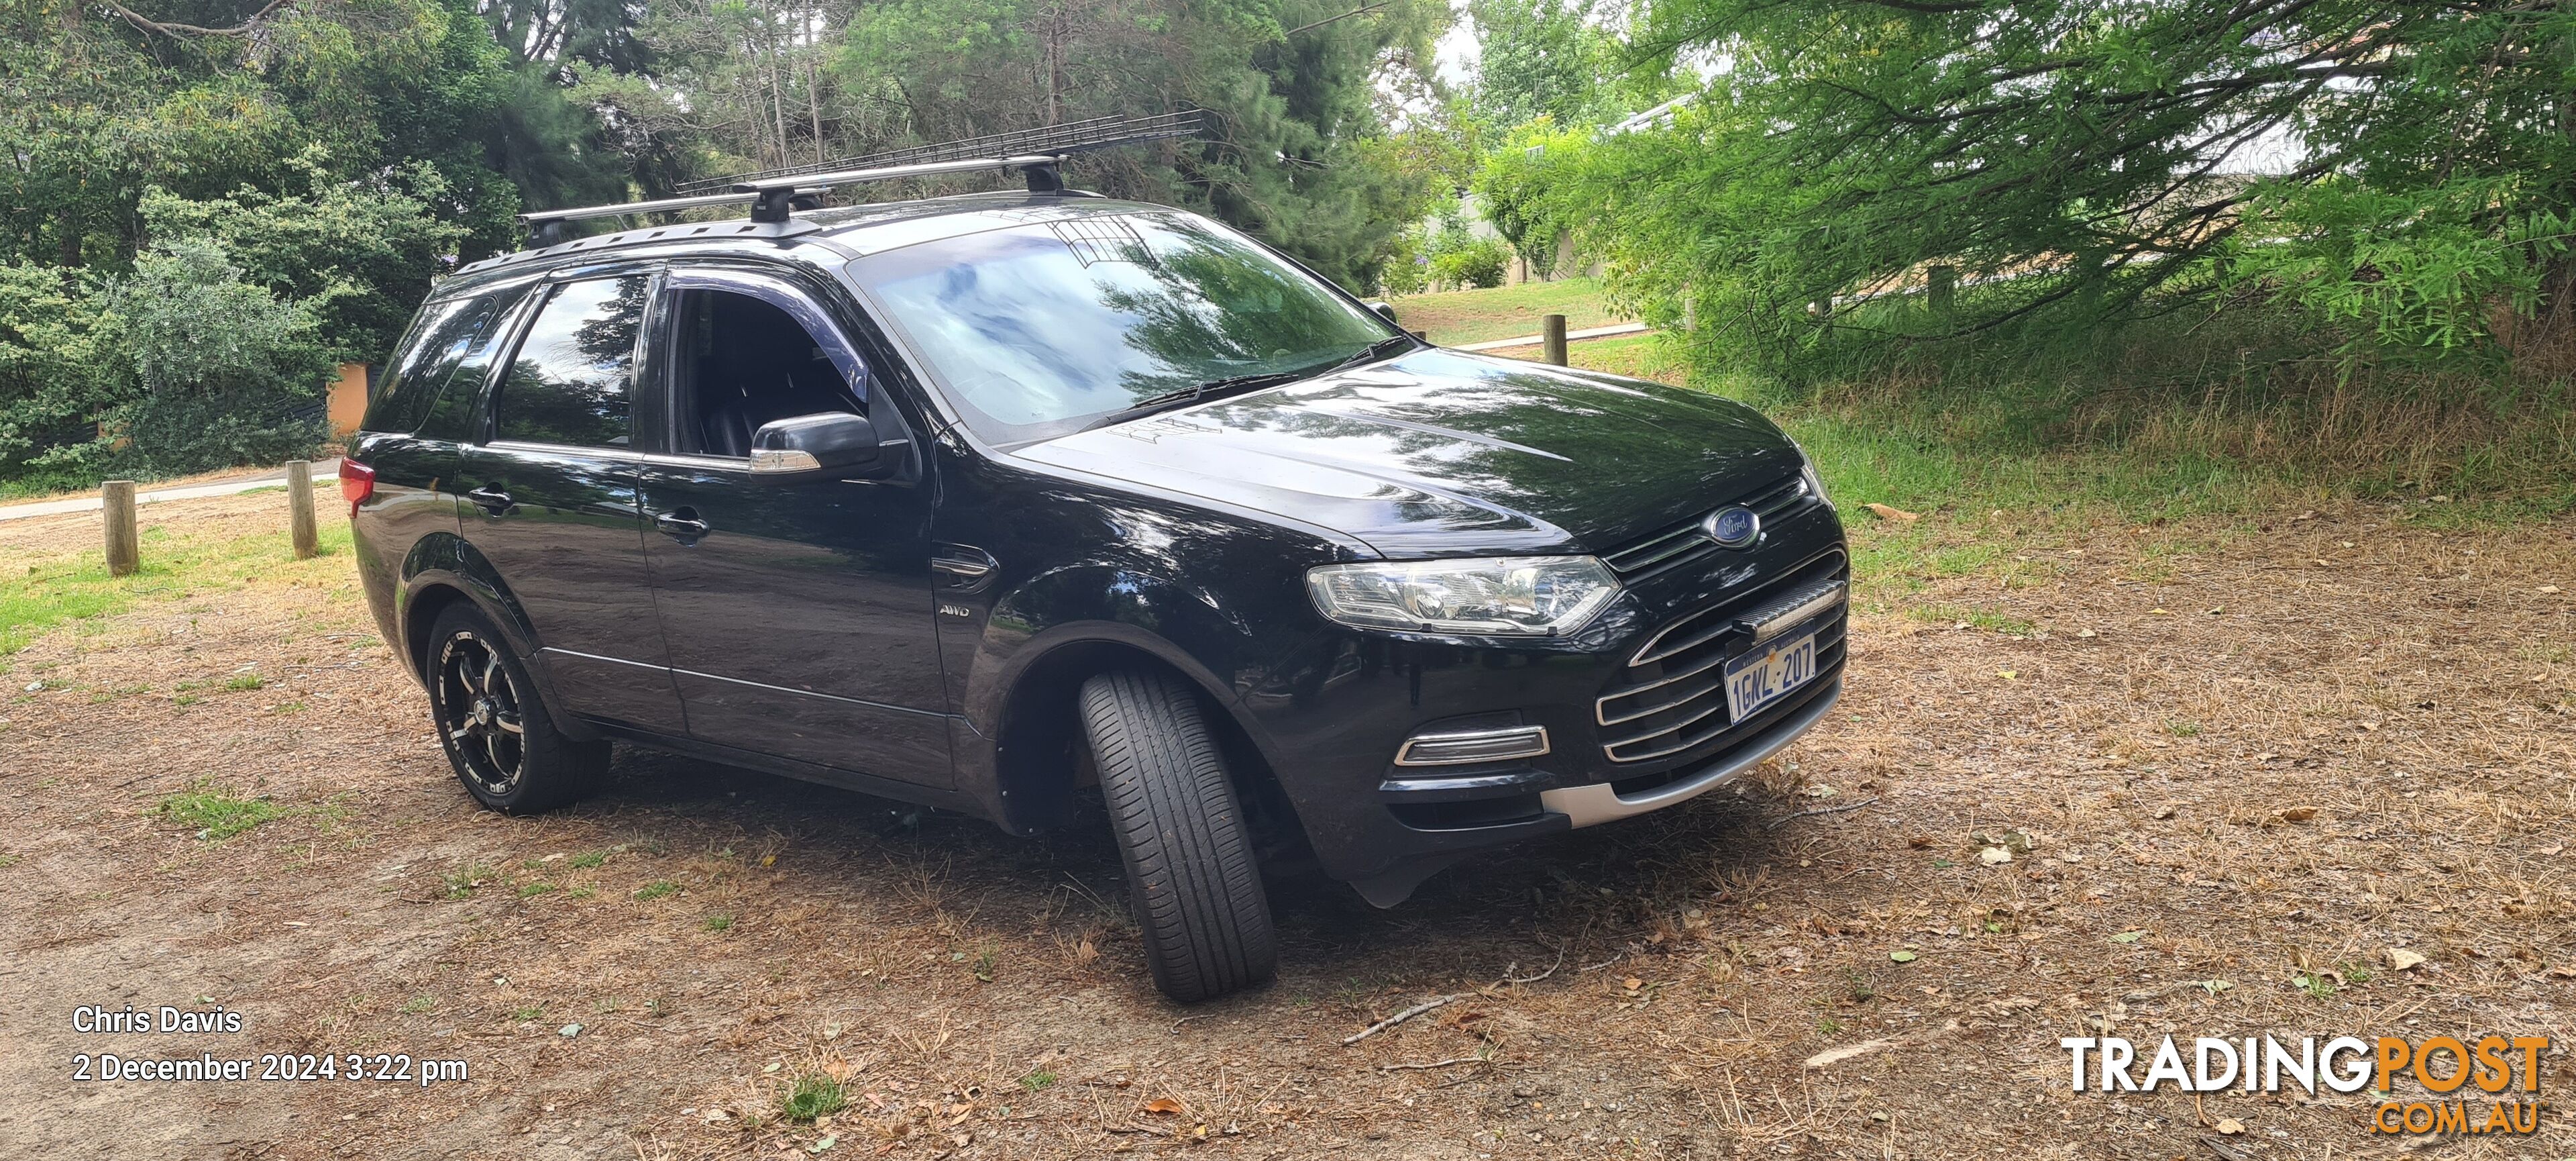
x=2222 y=759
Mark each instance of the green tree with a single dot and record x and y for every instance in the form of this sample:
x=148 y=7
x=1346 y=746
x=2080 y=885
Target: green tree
x=2398 y=168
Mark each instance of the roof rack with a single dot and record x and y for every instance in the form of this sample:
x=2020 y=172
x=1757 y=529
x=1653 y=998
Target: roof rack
x=774 y=194
x=1056 y=141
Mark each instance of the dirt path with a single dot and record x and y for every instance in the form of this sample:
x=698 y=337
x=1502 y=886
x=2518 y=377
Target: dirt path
x=2237 y=759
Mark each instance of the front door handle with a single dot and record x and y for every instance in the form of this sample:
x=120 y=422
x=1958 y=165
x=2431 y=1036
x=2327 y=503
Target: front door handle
x=681 y=524
x=490 y=499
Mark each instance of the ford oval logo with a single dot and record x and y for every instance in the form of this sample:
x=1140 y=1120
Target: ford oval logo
x=1732 y=527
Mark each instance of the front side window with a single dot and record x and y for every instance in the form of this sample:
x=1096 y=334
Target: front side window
x=1035 y=331
x=568 y=384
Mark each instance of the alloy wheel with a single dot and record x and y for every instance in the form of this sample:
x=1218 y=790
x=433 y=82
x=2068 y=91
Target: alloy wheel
x=478 y=710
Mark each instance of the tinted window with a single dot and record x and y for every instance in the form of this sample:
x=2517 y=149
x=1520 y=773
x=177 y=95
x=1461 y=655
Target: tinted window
x=568 y=383
x=1035 y=331
x=440 y=342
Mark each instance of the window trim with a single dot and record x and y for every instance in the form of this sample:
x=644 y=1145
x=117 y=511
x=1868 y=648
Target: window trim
x=782 y=289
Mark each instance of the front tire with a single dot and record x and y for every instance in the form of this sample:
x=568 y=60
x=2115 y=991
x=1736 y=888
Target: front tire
x=1190 y=866
x=494 y=726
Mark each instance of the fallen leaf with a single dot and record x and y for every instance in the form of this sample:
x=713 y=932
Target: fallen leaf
x=2166 y=811
x=1898 y=515
x=2086 y=633
x=2230 y=1128
x=2549 y=588
x=1994 y=856
x=828 y=1140
x=2008 y=674
x=1165 y=1105
x=2401 y=959
x=1901 y=956
x=2299 y=814
x=2127 y=937
x=2551 y=849
x=1846 y=1052
x=570 y=1030
x=2161 y=612
x=1632 y=983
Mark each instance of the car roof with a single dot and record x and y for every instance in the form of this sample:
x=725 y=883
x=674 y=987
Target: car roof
x=842 y=233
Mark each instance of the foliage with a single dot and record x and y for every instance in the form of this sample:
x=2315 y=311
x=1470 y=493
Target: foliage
x=54 y=368
x=1468 y=261
x=1290 y=86
x=359 y=255
x=1522 y=192
x=220 y=363
x=2084 y=164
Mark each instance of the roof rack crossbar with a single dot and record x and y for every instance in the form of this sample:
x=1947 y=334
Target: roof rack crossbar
x=1055 y=140
x=660 y=205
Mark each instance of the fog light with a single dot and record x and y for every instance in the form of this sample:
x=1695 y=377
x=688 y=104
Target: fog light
x=1456 y=748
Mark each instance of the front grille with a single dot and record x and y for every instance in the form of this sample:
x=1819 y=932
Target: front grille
x=1672 y=695
x=1683 y=544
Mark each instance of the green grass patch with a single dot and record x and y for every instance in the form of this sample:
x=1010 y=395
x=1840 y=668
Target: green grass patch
x=217 y=814
x=813 y=1095
x=719 y=921
x=657 y=889
x=42 y=592
x=1503 y=312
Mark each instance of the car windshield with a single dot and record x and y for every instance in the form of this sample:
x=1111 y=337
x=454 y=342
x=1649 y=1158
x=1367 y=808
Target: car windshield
x=1035 y=331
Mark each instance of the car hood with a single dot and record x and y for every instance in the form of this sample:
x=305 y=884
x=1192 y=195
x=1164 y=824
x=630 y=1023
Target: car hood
x=1439 y=453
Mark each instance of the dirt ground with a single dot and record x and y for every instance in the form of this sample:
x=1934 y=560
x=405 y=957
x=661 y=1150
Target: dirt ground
x=2235 y=766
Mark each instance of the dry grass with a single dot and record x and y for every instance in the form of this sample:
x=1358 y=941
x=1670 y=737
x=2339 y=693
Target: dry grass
x=2167 y=707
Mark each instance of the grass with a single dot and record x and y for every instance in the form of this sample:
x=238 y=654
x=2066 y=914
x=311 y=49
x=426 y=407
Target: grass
x=1503 y=312
x=813 y=1095
x=177 y=562
x=217 y=814
x=657 y=889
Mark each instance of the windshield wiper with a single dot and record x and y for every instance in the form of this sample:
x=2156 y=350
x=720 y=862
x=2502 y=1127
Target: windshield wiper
x=1390 y=345
x=1215 y=387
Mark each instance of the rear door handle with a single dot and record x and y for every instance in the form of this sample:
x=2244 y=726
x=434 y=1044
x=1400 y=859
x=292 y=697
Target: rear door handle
x=681 y=524
x=490 y=499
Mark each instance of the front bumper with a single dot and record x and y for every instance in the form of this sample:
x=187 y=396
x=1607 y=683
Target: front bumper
x=1600 y=802
x=1629 y=730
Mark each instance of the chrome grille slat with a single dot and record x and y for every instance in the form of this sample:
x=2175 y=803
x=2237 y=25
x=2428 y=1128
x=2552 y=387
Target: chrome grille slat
x=1680 y=545
x=1670 y=696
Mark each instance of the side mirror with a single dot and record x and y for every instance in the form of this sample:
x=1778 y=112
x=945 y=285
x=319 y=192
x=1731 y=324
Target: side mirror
x=1385 y=310
x=805 y=445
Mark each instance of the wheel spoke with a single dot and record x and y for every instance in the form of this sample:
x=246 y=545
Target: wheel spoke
x=492 y=747
x=491 y=664
x=509 y=723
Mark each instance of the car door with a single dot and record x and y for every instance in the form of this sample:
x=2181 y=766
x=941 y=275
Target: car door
x=798 y=613
x=550 y=501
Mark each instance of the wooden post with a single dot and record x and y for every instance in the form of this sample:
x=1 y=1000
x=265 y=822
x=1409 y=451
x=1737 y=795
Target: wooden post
x=124 y=551
x=299 y=506
x=1941 y=290
x=1552 y=333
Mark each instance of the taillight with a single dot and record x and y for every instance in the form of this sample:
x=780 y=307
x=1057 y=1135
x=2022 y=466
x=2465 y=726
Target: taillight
x=357 y=482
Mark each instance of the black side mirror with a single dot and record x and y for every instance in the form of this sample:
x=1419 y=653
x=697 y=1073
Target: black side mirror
x=807 y=445
x=1385 y=310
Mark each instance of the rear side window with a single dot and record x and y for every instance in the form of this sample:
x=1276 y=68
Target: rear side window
x=440 y=341
x=568 y=384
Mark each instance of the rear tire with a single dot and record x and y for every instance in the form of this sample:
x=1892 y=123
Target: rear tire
x=1191 y=871
x=494 y=725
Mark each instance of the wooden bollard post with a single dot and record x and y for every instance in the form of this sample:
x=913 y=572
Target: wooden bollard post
x=124 y=551
x=1552 y=333
x=299 y=505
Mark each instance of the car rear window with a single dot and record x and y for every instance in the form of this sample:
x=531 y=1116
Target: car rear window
x=443 y=340
x=568 y=385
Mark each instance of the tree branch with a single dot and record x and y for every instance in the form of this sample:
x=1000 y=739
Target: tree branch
x=147 y=24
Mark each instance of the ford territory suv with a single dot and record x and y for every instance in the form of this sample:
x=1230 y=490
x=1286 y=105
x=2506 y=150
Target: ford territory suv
x=993 y=503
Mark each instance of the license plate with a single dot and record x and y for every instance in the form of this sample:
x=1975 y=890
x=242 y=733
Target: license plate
x=1768 y=673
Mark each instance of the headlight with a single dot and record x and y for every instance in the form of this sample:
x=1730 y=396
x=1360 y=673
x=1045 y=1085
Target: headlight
x=1519 y=596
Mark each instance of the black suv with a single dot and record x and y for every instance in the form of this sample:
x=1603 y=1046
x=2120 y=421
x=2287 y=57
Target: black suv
x=983 y=502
